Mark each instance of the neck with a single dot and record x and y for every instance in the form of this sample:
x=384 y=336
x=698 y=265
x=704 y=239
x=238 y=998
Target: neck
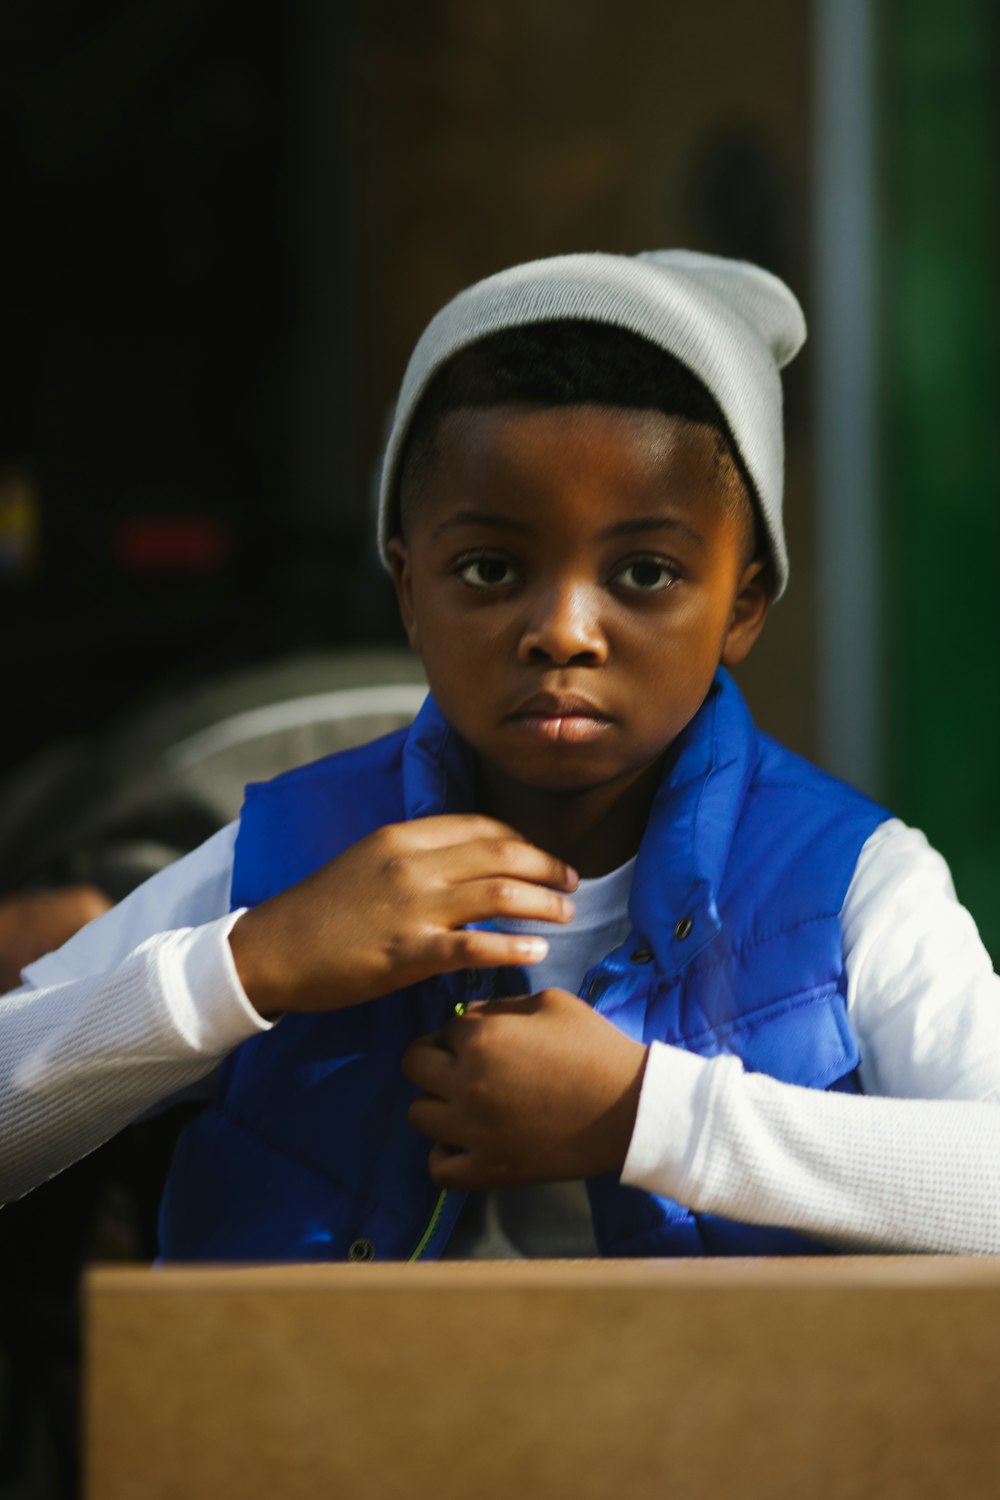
x=595 y=830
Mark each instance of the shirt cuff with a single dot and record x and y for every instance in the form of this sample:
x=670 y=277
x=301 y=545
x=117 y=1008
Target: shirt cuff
x=667 y=1127
x=206 y=999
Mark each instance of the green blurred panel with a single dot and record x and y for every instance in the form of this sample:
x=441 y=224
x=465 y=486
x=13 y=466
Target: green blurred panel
x=940 y=372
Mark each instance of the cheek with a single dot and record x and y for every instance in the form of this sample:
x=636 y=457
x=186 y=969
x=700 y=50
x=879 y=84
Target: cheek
x=672 y=664
x=459 y=652
x=707 y=619
x=455 y=630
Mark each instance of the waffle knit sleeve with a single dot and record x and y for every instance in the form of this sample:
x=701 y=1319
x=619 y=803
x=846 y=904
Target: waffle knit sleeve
x=123 y=1015
x=913 y=1164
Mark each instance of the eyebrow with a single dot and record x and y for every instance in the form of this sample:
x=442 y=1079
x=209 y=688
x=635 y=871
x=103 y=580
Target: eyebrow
x=643 y=524
x=481 y=518
x=635 y=527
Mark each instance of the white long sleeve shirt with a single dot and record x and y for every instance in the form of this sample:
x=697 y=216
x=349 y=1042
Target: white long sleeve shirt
x=146 y=1000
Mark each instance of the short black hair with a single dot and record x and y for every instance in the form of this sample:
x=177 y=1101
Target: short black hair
x=571 y=362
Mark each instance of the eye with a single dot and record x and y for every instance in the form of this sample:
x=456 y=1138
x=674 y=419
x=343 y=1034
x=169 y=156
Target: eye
x=646 y=575
x=486 y=572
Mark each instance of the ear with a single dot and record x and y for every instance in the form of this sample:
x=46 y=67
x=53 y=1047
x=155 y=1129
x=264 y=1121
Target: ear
x=753 y=600
x=402 y=577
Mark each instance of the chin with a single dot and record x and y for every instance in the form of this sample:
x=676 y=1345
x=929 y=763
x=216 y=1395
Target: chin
x=565 y=774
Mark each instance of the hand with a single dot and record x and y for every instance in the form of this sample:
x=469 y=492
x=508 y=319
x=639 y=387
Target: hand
x=37 y=922
x=537 y=1089
x=392 y=910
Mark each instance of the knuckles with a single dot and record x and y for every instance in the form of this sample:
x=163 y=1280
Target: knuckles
x=503 y=893
x=465 y=948
x=393 y=847
x=502 y=851
x=396 y=868
x=387 y=840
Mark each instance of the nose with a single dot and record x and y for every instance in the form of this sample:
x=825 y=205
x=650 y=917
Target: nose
x=564 y=628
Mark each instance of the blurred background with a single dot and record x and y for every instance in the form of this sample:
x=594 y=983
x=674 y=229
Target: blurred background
x=223 y=228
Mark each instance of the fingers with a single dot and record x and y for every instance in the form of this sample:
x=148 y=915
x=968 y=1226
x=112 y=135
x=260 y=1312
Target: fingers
x=465 y=1171
x=427 y=1063
x=461 y=1029
x=466 y=847
x=486 y=871
x=429 y=1117
x=448 y=1166
x=503 y=877
x=471 y=949
x=446 y=829
x=504 y=854
x=501 y=896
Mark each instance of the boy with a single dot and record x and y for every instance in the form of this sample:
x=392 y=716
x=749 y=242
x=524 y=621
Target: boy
x=581 y=509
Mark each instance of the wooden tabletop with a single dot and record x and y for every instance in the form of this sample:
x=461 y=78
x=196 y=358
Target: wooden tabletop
x=573 y=1380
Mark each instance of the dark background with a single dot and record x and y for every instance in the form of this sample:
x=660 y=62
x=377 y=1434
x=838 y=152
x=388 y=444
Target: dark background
x=225 y=227
x=164 y=235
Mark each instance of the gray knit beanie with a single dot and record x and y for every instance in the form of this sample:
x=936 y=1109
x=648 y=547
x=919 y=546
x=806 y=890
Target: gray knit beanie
x=732 y=324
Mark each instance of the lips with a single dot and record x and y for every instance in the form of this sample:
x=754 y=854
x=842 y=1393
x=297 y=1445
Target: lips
x=558 y=706
x=567 y=717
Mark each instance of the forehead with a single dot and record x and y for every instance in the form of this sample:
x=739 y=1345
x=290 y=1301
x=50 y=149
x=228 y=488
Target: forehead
x=607 y=460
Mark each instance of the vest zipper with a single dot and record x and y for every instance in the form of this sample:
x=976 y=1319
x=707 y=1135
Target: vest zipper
x=429 y=1231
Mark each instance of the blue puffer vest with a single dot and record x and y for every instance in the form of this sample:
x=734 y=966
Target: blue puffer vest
x=306 y=1154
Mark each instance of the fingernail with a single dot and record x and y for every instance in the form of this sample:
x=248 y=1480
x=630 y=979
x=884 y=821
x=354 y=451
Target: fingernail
x=572 y=878
x=533 y=948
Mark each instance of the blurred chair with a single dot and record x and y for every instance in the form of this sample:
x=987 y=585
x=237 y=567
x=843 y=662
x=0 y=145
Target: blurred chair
x=114 y=810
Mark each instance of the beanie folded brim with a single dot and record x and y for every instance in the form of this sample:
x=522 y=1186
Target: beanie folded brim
x=732 y=324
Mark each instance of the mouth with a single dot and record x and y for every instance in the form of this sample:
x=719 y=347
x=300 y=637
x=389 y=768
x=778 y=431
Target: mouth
x=562 y=717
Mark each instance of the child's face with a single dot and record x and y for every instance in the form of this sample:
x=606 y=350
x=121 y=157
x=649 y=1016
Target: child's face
x=572 y=577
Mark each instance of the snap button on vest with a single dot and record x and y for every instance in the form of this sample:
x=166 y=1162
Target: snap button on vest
x=362 y=1249
x=683 y=929
x=642 y=956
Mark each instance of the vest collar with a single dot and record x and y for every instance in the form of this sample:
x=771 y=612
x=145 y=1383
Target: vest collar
x=437 y=766
x=686 y=845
